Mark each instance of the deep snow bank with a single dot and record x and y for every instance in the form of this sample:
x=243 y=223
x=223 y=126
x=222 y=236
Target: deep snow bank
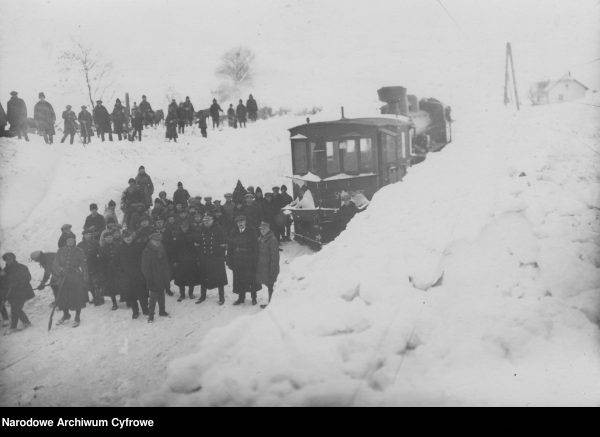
x=507 y=216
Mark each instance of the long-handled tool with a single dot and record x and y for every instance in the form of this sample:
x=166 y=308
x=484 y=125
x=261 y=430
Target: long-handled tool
x=60 y=287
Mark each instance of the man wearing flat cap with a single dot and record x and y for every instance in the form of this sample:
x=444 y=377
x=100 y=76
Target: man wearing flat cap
x=44 y=116
x=16 y=114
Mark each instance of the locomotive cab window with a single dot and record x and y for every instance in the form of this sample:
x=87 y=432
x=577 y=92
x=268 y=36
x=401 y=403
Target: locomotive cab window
x=388 y=143
x=299 y=157
x=366 y=155
x=350 y=155
x=333 y=157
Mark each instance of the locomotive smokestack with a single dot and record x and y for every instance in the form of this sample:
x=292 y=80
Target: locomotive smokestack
x=342 y=108
x=395 y=99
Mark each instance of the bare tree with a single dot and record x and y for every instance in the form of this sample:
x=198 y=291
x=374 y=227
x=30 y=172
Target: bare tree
x=97 y=74
x=236 y=68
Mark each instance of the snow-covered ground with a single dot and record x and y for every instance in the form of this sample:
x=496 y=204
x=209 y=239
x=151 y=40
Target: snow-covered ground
x=111 y=358
x=474 y=281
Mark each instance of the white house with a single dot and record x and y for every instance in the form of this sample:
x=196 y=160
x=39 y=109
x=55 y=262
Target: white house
x=564 y=89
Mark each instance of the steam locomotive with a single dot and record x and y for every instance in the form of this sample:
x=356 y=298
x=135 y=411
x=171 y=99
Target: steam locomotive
x=354 y=157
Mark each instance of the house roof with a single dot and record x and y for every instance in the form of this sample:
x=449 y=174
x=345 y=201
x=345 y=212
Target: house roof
x=547 y=85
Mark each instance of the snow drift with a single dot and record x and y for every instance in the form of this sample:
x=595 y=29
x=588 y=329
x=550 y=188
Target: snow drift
x=474 y=281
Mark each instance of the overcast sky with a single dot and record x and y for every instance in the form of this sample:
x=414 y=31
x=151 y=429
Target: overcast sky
x=307 y=51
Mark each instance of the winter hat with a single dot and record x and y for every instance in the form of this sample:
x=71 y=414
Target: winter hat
x=83 y=107
x=66 y=227
x=249 y=196
x=207 y=198
x=264 y=224
x=36 y=255
x=228 y=195
x=275 y=189
x=179 y=184
x=41 y=95
x=240 y=218
x=93 y=206
x=142 y=167
x=13 y=93
x=69 y=106
x=99 y=102
x=283 y=188
x=131 y=180
x=9 y=256
x=111 y=203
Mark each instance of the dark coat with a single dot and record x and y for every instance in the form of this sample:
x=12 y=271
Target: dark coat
x=145 y=107
x=18 y=280
x=131 y=195
x=71 y=270
x=97 y=222
x=284 y=199
x=3 y=118
x=267 y=267
x=252 y=107
x=171 y=123
x=210 y=245
x=169 y=238
x=111 y=268
x=231 y=113
x=119 y=119
x=240 y=112
x=182 y=196
x=188 y=110
x=242 y=250
x=44 y=116
x=214 y=110
x=16 y=112
x=155 y=268
x=70 y=126
x=102 y=118
x=91 y=252
x=145 y=183
x=185 y=261
x=62 y=240
x=137 y=120
x=46 y=261
x=253 y=215
x=130 y=262
x=85 y=121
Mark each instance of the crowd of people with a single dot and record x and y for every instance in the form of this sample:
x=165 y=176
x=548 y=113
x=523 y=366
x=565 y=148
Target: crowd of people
x=125 y=122
x=186 y=240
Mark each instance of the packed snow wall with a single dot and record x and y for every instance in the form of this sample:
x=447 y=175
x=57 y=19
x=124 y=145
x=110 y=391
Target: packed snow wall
x=474 y=281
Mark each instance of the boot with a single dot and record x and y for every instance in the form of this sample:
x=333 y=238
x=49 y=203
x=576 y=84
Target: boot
x=151 y=318
x=240 y=299
x=135 y=315
x=164 y=314
x=181 y=294
x=63 y=319
x=115 y=306
x=254 y=298
x=202 y=297
x=191 y=292
x=76 y=323
x=169 y=292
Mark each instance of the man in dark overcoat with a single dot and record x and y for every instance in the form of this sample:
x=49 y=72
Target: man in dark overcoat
x=242 y=249
x=44 y=116
x=70 y=126
x=91 y=251
x=130 y=261
x=19 y=289
x=71 y=271
x=210 y=245
x=157 y=273
x=102 y=120
x=16 y=114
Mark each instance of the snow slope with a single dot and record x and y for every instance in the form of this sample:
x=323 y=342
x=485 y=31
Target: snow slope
x=475 y=281
x=111 y=358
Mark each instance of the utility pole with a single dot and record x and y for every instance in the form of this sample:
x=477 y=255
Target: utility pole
x=507 y=73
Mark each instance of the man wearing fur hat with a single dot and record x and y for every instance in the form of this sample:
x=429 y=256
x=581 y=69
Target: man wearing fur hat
x=144 y=181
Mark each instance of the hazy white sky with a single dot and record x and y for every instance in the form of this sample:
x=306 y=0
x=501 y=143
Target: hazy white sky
x=308 y=51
